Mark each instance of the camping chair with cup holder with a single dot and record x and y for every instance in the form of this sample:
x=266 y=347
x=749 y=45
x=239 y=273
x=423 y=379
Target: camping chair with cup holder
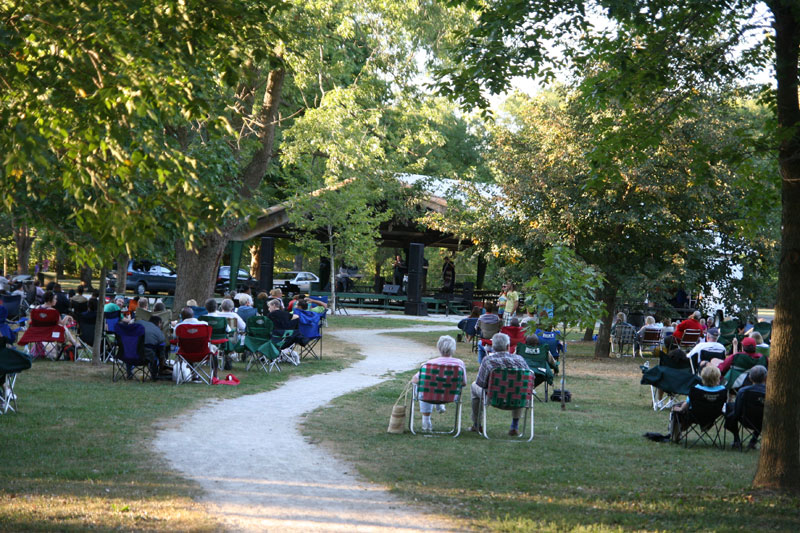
x=672 y=378
x=704 y=419
x=740 y=365
x=194 y=352
x=258 y=334
x=752 y=417
x=221 y=338
x=438 y=385
x=509 y=389
x=45 y=337
x=131 y=360
x=310 y=327
x=12 y=362
x=536 y=357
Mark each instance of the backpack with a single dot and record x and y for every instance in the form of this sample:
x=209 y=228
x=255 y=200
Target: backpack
x=556 y=396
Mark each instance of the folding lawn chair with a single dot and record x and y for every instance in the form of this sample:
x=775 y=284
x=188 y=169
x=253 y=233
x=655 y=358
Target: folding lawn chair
x=13 y=304
x=220 y=337
x=257 y=335
x=45 y=334
x=705 y=355
x=509 y=388
x=12 y=362
x=439 y=385
x=765 y=328
x=622 y=340
x=130 y=353
x=311 y=328
x=650 y=340
x=194 y=351
x=704 y=418
x=672 y=378
x=110 y=343
x=550 y=338
x=536 y=357
x=752 y=417
x=741 y=364
x=689 y=339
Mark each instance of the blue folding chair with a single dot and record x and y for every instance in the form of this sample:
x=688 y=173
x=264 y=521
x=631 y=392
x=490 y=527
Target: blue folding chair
x=310 y=328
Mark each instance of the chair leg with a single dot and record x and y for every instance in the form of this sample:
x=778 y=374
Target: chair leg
x=411 y=410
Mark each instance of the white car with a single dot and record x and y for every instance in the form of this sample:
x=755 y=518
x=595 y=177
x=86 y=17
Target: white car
x=300 y=280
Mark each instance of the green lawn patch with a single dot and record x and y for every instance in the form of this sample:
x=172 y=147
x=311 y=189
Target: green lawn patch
x=77 y=456
x=588 y=468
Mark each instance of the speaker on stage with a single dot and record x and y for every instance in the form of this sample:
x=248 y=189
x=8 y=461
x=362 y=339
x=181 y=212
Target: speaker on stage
x=266 y=264
x=416 y=263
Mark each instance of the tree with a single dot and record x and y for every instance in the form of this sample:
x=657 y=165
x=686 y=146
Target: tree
x=666 y=50
x=568 y=287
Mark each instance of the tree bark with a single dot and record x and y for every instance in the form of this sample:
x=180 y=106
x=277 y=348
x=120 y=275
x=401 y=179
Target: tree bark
x=197 y=269
x=86 y=276
x=122 y=272
x=333 y=270
x=779 y=462
x=24 y=241
x=602 y=348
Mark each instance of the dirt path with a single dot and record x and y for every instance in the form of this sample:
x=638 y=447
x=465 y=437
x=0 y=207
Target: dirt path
x=275 y=480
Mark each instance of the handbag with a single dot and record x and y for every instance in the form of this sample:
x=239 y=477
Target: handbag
x=556 y=396
x=397 y=420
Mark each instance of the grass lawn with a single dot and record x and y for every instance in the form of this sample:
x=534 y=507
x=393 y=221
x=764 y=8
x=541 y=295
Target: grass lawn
x=77 y=456
x=588 y=468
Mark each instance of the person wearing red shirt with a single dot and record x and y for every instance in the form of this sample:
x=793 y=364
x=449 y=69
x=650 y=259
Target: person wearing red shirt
x=748 y=347
x=693 y=322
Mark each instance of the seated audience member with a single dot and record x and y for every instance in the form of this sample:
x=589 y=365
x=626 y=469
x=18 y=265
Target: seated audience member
x=703 y=326
x=159 y=307
x=649 y=323
x=756 y=336
x=499 y=358
x=91 y=311
x=710 y=376
x=472 y=319
x=244 y=296
x=693 y=322
x=117 y=305
x=133 y=305
x=191 y=302
x=282 y=322
x=488 y=324
x=49 y=301
x=674 y=358
x=667 y=345
x=748 y=347
x=668 y=328
x=710 y=345
x=154 y=343
x=19 y=290
x=447 y=349
x=276 y=293
x=316 y=306
x=530 y=317
x=78 y=297
x=227 y=311
x=532 y=347
x=293 y=301
x=735 y=410
x=619 y=321
x=187 y=317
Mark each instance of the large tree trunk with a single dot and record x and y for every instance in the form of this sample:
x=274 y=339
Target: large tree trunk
x=61 y=260
x=122 y=272
x=779 y=462
x=197 y=270
x=23 y=238
x=86 y=276
x=333 y=270
x=602 y=348
x=588 y=334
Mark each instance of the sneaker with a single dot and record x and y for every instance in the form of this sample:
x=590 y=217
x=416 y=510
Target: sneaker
x=513 y=432
x=441 y=408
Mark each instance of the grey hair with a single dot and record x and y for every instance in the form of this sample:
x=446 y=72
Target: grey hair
x=649 y=320
x=758 y=374
x=446 y=346
x=227 y=305
x=500 y=342
x=275 y=303
x=697 y=315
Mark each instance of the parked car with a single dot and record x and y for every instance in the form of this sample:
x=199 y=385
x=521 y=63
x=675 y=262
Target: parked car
x=150 y=276
x=295 y=281
x=243 y=279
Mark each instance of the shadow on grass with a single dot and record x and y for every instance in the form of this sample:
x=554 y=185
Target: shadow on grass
x=589 y=468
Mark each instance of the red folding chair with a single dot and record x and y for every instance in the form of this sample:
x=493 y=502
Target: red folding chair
x=439 y=385
x=194 y=351
x=509 y=388
x=45 y=334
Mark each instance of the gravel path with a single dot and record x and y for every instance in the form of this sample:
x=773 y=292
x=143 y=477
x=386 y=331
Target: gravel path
x=276 y=481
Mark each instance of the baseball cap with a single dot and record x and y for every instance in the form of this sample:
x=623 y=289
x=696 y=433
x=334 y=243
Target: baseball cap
x=748 y=341
x=713 y=331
